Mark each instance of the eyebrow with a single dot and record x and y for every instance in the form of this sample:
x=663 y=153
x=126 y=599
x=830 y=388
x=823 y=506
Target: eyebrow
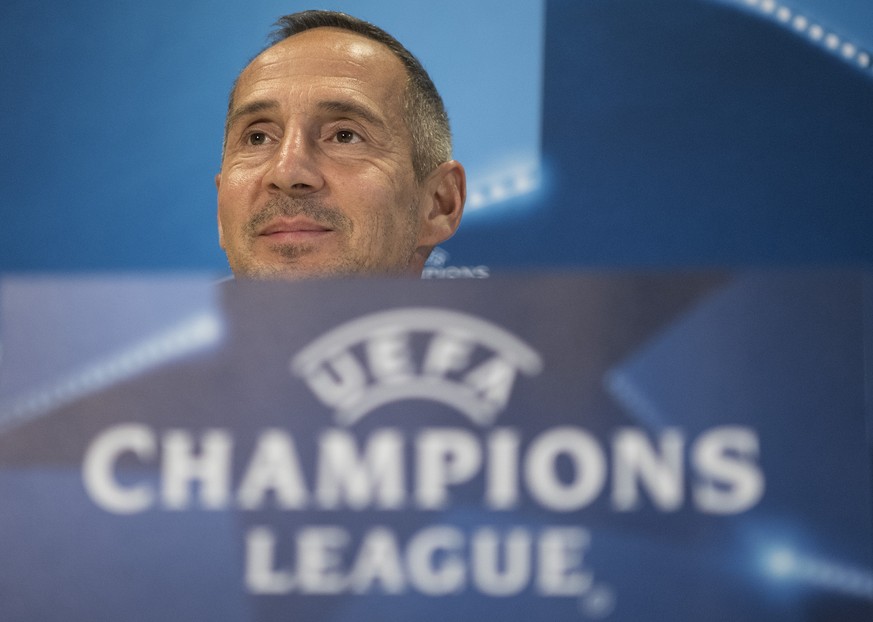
x=351 y=109
x=259 y=105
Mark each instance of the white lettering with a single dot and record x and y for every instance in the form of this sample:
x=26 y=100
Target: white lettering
x=493 y=381
x=274 y=466
x=434 y=561
x=588 y=465
x=261 y=577
x=660 y=472
x=447 y=352
x=515 y=559
x=319 y=559
x=562 y=469
x=501 y=487
x=339 y=381
x=181 y=466
x=729 y=478
x=561 y=555
x=98 y=469
x=345 y=477
x=389 y=356
x=378 y=561
x=446 y=456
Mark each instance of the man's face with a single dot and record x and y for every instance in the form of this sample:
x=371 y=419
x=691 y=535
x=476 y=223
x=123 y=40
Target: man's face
x=317 y=174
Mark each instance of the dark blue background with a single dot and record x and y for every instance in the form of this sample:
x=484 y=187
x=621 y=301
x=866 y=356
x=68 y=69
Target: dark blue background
x=660 y=133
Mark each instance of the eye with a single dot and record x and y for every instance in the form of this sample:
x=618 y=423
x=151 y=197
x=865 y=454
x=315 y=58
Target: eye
x=256 y=138
x=347 y=137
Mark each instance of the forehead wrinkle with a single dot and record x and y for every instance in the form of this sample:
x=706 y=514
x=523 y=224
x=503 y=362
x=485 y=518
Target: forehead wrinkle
x=346 y=56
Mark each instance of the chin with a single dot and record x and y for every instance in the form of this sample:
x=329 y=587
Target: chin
x=305 y=270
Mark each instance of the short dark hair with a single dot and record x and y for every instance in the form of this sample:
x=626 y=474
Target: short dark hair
x=425 y=113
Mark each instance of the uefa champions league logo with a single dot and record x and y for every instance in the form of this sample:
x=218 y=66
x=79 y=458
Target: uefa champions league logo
x=420 y=467
x=438 y=267
x=416 y=353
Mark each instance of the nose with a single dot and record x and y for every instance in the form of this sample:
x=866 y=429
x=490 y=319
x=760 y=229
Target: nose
x=293 y=167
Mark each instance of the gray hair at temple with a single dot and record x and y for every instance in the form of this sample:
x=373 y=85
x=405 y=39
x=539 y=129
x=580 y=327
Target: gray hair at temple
x=425 y=113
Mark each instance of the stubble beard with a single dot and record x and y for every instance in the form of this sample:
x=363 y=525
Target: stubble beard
x=247 y=265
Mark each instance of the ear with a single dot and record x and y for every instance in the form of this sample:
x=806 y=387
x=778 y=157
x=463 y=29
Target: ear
x=218 y=216
x=443 y=203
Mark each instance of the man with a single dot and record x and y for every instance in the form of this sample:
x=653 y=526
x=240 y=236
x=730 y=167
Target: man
x=337 y=156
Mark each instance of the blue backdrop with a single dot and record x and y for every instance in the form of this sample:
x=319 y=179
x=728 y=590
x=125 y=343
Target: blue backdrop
x=600 y=132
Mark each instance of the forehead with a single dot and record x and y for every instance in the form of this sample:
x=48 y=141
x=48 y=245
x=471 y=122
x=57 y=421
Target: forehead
x=325 y=57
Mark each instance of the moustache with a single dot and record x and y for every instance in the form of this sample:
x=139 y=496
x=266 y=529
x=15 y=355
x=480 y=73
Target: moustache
x=288 y=207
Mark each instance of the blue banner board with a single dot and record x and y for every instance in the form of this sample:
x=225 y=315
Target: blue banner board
x=584 y=446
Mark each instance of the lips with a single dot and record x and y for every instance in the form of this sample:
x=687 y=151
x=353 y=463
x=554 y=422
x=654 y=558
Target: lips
x=293 y=226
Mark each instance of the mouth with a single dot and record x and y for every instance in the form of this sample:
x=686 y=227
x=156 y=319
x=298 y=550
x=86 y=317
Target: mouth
x=295 y=229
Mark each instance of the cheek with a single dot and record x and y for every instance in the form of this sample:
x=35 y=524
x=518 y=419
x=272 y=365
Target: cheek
x=232 y=212
x=386 y=192
x=239 y=182
x=226 y=228
x=236 y=194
